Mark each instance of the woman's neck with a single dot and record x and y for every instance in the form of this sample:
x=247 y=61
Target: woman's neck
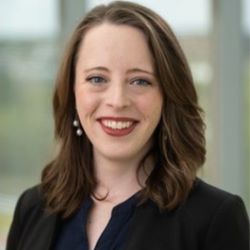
x=118 y=180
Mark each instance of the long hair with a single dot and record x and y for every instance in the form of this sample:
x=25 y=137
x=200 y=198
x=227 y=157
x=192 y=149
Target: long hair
x=179 y=142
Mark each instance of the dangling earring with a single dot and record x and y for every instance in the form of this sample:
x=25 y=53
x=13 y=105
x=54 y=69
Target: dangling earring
x=76 y=124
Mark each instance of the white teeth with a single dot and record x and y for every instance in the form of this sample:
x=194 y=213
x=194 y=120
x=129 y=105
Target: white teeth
x=116 y=125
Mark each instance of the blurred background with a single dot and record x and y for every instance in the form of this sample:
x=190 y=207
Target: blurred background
x=215 y=35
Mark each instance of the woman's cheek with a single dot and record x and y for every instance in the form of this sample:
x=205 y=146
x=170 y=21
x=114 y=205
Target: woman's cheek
x=86 y=103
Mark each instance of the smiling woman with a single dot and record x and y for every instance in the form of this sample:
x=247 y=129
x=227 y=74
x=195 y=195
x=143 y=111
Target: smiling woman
x=120 y=98
x=131 y=139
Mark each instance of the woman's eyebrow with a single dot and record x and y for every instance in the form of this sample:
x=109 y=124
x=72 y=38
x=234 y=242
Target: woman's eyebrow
x=133 y=70
x=97 y=68
x=136 y=70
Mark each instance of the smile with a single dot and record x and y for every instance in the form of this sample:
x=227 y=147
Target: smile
x=117 y=126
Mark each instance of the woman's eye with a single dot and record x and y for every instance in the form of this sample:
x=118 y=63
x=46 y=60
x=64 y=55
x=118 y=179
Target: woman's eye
x=141 y=82
x=96 y=79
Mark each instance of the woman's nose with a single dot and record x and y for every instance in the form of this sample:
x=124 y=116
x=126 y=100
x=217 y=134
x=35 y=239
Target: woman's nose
x=118 y=96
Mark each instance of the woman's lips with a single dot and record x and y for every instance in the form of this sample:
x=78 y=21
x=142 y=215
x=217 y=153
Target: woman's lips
x=117 y=126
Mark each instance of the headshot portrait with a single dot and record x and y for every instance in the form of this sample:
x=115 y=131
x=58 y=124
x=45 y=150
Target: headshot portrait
x=130 y=147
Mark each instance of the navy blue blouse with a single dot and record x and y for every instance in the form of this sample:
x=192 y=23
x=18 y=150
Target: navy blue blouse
x=73 y=233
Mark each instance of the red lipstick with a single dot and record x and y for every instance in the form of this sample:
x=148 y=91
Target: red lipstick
x=117 y=126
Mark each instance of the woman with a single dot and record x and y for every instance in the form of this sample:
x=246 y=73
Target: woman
x=131 y=141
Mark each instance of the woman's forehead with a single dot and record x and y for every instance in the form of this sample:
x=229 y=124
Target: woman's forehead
x=107 y=44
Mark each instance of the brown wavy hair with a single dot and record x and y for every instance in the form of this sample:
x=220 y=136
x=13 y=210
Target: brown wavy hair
x=179 y=142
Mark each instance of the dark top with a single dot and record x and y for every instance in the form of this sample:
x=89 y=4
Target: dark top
x=73 y=233
x=209 y=219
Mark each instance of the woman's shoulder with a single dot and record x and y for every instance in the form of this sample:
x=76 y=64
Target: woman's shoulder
x=31 y=218
x=209 y=215
x=206 y=199
x=209 y=205
x=204 y=205
x=30 y=199
x=32 y=195
x=209 y=195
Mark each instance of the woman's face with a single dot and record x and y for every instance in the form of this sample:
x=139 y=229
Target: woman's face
x=118 y=98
